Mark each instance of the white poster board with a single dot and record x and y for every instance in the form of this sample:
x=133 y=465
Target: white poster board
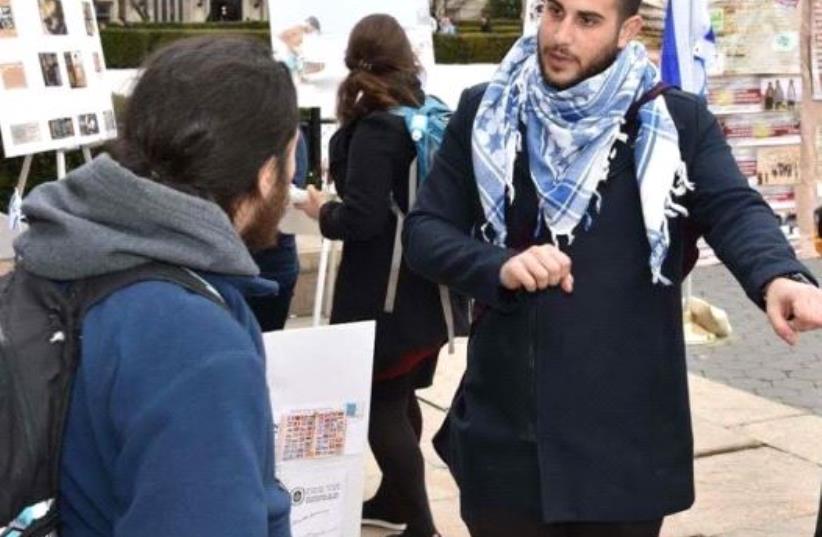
x=532 y=16
x=320 y=383
x=326 y=48
x=53 y=92
x=7 y=237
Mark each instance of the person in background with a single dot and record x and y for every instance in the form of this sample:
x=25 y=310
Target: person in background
x=565 y=198
x=280 y=263
x=447 y=26
x=169 y=428
x=370 y=156
x=485 y=24
x=289 y=47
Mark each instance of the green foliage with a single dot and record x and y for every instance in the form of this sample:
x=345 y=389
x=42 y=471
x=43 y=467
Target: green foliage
x=473 y=47
x=128 y=47
x=509 y=9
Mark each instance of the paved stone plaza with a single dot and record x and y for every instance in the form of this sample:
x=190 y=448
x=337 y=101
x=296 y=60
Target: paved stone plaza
x=754 y=358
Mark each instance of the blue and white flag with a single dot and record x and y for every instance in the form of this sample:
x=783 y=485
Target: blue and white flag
x=688 y=45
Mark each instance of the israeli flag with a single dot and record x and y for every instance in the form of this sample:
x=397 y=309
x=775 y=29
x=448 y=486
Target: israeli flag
x=688 y=45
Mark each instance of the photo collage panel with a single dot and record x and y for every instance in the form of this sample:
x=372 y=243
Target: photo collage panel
x=53 y=56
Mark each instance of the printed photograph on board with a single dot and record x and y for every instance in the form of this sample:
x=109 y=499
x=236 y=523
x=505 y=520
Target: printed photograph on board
x=52 y=17
x=88 y=124
x=61 y=128
x=88 y=18
x=98 y=62
x=108 y=121
x=13 y=75
x=8 y=28
x=75 y=69
x=25 y=133
x=50 y=66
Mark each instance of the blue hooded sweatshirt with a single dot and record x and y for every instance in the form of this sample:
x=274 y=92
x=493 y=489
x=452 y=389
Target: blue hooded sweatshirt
x=170 y=430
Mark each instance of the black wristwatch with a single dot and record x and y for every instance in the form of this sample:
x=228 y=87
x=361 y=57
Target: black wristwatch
x=797 y=277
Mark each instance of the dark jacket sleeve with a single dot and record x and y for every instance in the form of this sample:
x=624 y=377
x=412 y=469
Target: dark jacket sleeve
x=438 y=232
x=734 y=218
x=372 y=164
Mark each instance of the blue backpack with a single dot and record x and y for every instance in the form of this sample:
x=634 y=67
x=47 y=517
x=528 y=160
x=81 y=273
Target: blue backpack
x=426 y=126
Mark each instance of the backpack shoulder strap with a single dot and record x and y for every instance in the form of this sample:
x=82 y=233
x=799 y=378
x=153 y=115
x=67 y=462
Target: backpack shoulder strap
x=632 y=116
x=90 y=291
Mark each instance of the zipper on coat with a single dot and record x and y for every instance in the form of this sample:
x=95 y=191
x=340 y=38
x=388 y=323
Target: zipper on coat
x=532 y=368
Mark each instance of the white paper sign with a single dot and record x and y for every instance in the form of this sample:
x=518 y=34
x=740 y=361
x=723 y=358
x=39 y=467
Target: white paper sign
x=7 y=237
x=317 y=501
x=53 y=91
x=320 y=384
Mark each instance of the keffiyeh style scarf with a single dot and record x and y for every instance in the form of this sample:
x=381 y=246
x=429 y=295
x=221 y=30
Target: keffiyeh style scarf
x=570 y=139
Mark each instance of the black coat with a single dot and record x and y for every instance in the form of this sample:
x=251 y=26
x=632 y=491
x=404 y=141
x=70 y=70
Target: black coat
x=575 y=407
x=369 y=162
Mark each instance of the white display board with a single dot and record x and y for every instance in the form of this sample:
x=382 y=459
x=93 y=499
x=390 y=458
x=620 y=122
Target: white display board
x=532 y=16
x=327 y=47
x=320 y=384
x=53 y=91
x=7 y=237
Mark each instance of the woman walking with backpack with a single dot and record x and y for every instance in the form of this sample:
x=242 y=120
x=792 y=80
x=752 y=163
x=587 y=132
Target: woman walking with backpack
x=370 y=158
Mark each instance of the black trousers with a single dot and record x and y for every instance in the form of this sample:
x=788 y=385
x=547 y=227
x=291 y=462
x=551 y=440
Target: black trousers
x=507 y=525
x=394 y=434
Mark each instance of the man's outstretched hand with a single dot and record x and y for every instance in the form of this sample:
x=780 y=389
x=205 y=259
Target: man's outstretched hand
x=793 y=307
x=538 y=268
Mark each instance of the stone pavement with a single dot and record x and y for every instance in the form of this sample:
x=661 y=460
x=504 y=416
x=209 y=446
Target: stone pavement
x=758 y=463
x=753 y=358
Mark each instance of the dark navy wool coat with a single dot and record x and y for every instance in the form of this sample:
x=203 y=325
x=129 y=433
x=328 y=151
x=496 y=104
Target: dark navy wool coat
x=575 y=407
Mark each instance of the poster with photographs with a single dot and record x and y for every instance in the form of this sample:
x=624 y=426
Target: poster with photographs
x=53 y=92
x=311 y=37
x=8 y=26
x=757 y=36
x=816 y=49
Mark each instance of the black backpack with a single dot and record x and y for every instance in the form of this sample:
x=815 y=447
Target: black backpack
x=40 y=340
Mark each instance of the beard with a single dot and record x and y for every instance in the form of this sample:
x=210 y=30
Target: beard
x=599 y=64
x=264 y=230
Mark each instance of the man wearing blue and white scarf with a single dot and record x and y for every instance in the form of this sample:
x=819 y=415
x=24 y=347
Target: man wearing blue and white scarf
x=566 y=199
x=571 y=135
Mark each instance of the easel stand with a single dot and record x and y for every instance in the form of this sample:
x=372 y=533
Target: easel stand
x=16 y=203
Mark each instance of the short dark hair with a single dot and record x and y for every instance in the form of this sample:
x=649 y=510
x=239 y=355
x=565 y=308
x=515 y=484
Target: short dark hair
x=629 y=8
x=314 y=22
x=206 y=115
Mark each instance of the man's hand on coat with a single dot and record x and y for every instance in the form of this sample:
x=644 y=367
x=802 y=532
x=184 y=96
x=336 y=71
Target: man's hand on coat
x=793 y=307
x=538 y=268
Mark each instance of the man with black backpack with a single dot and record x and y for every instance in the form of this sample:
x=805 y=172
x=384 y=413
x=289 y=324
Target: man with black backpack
x=133 y=370
x=565 y=198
